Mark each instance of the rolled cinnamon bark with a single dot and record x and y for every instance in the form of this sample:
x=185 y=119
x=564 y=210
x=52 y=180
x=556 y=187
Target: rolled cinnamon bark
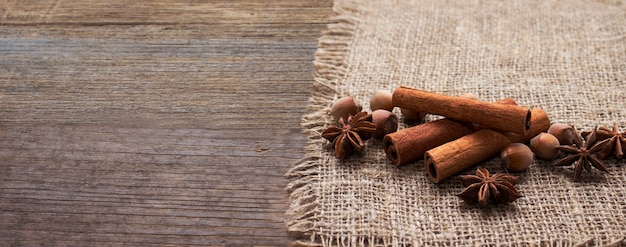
x=455 y=156
x=503 y=117
x=540 y=122
x=409 y=144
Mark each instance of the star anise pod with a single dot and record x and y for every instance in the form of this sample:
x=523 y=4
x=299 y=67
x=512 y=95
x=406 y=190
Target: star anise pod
x=616 y=144
x=583 y=154
x=350 y=134
x=484 y=188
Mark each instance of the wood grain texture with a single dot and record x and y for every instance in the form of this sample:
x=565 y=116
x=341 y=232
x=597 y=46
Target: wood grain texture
x=158 y=123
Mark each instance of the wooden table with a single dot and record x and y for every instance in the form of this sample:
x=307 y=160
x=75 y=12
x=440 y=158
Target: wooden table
x=152 y=123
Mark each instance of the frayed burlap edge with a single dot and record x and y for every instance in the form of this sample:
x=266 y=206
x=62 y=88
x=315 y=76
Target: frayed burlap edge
x=330 y=67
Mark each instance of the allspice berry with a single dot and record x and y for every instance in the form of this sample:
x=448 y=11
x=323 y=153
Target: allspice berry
x=344 y=107
x=516 y=157
x=412 y=115
x=381 y=100
x=386 y=122
x=544 y=146
x=563 y=132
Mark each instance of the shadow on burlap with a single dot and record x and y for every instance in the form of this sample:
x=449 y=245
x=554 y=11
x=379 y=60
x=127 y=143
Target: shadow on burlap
x=567 y=57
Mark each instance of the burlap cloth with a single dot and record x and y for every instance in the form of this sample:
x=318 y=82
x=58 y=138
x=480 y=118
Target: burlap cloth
x=568 y=57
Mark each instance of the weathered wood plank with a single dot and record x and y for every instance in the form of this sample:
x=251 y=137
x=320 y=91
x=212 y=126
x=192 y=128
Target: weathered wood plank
x=119 y=12
x=168 y=122
x=196 y=77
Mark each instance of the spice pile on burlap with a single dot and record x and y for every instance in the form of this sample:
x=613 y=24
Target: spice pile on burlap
x=568 y=57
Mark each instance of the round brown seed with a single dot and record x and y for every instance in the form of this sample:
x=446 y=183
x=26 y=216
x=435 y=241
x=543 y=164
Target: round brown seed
x=381 y=100
x=386 y=122
x=344 y=107
x=563 y=132
x=544 y=146
x=516 y=157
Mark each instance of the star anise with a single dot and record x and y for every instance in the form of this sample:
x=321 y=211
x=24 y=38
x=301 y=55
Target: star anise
x=583 y=154
x=350 y=135
x=484 y=189
x=616 y=144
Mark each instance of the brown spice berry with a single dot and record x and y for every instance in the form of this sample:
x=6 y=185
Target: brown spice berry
x=516 y=157
x=562 y=132
x=344 y=107
x=381 y=100
x=412 y=115
x=544 y=146
x=386 y=122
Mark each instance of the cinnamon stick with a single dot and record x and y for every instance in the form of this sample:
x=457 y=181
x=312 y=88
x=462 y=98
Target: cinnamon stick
x=455 y=156
x=409 y=144
x=540 y=122
x=503 y=117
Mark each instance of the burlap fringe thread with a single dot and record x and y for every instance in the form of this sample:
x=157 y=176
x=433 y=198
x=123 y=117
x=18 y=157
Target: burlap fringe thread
x=330 y=66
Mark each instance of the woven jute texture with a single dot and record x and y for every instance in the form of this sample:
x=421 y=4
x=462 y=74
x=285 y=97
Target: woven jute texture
x=567 y=57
